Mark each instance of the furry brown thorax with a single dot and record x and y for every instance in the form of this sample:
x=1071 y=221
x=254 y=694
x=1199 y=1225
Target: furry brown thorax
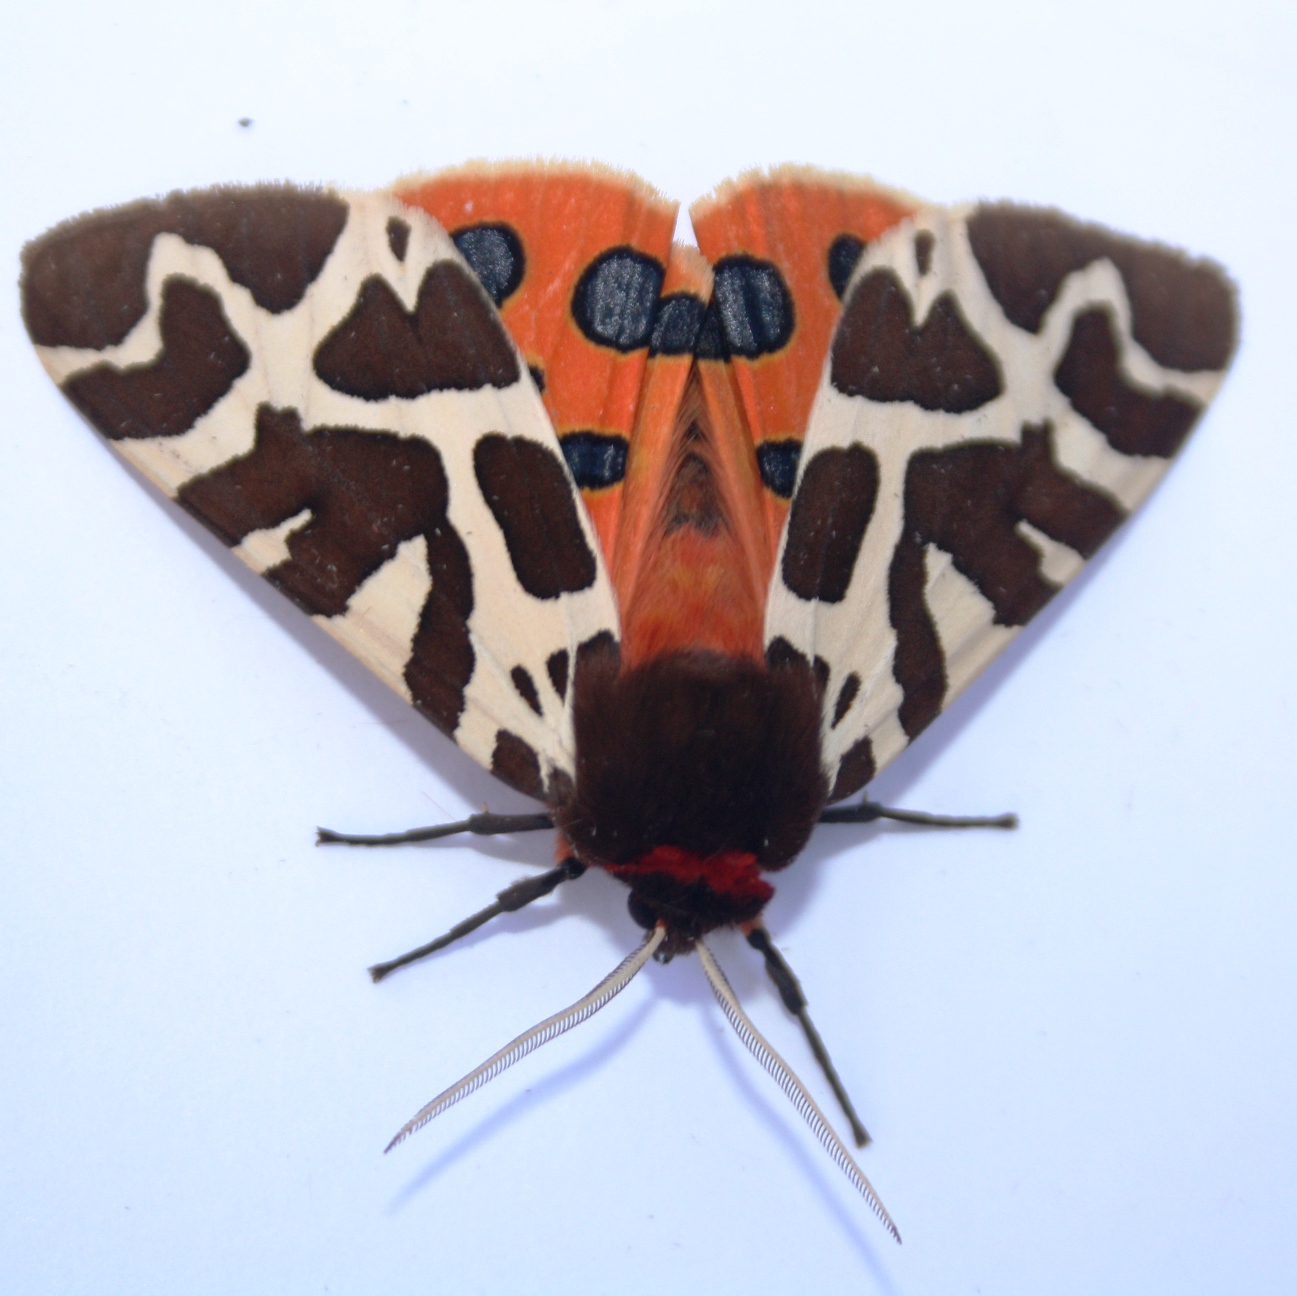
x=695 y=773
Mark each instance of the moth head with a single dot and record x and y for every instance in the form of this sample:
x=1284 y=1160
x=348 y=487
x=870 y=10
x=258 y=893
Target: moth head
x=696 y=772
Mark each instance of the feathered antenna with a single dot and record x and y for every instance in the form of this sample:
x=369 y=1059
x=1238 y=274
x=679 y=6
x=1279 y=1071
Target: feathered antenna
x=552 y=1027
x=797 y=1093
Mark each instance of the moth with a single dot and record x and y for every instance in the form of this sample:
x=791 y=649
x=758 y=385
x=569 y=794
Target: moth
x=687 y=544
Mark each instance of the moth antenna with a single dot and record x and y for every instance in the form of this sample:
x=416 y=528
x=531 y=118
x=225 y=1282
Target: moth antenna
x=797 y=1093
x=552 y=1027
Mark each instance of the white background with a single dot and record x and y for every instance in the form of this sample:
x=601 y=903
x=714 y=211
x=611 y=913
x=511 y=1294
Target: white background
x=1074 y=1045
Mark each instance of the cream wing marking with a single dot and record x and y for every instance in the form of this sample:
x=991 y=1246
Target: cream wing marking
x=287 y=396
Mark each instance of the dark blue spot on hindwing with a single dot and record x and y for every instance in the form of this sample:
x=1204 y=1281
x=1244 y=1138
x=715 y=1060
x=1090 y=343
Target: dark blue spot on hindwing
x=844 y=254
x=778 y=461
x=201 y=360
x=595 y=460
x=710 y=343
x=533 y=503
x=494 y=254
x=826 y=525
x=615 y=300
x=755 y=306
x=675 y=330
x=453 y=341
x=879 y=354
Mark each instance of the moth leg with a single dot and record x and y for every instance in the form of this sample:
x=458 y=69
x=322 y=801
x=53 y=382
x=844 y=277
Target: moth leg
x=868 y=811
x=790 y=991
x=485 y=824
x=511 y=899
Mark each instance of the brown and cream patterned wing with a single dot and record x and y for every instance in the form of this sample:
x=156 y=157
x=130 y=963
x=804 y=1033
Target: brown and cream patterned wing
x=319 y=378
x=1004 y=387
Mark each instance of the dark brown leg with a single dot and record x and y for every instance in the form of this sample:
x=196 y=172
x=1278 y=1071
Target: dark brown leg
x=485 y=824
x=511 y=899
x=790 y=991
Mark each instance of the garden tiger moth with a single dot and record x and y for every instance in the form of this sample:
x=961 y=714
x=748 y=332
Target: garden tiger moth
x=684 y=546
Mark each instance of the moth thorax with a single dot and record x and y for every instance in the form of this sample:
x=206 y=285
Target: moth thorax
x=695 y=772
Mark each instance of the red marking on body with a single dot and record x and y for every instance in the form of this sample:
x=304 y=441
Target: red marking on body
x=733 y=874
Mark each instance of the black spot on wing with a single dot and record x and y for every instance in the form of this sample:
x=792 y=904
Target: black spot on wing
x=83 y=283
x=367 y=493
x=710 y=343
x=526 y=686
x=676 y=327
x=494 y=254
x=531 y=498
x=1183 y=310
x=968 y=500
x=1133 y=421
x=844 y=253
x=556 y=668
x=918 y=664
x=516 y=762
x=398 y=237
x=846 y=696
x=452 y=341
x=755 y=306
x=880 y=355
x=778 y=461
x=616 y=297
x=827 y=522
x=537 y=377
x=855 y=769
x=442 y=658
x=596 y=460
x=200 y=362
x=923 y=245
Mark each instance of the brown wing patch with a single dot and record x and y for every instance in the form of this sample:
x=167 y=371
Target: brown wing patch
x=84 y=282
x=1184 y=312
x=968 y=501
x=451 y=342
x=880 y=355
x=530 y=497
x=855 y=768
x=828 y=520
x=367 y=492
x=526 y=687
x=1135 y=422
x=516 y=762
x=201 y=360
x=398 y=237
